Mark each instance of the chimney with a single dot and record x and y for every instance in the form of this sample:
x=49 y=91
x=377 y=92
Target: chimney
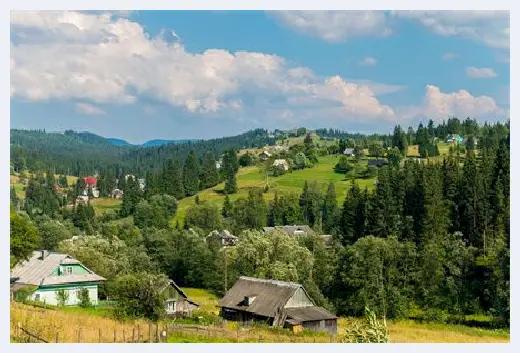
x=44 y=254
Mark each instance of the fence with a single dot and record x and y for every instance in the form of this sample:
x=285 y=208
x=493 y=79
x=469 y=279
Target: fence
x=30 y=324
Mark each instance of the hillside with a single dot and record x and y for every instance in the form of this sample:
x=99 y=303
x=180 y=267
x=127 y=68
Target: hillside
x=251 y=177
x=74 y=153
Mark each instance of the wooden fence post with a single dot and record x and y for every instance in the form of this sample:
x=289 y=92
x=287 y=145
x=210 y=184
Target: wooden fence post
x=138 y=333
x=124 y=335
x=57 y=333
x=133 y=334
x=99 y=330
x=79 y=335
x=157 y=333
x=115 y=336
x=150 y=332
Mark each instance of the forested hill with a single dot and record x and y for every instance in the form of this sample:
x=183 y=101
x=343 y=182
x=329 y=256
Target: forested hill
x=75 y=153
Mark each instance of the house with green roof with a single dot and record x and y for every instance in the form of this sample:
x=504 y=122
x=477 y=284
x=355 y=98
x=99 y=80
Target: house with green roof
x=45 y=273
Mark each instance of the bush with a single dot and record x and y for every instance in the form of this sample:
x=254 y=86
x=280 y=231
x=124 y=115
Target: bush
x=436 y=315
x=84 y=298
x=63 y=296
x=372 y=331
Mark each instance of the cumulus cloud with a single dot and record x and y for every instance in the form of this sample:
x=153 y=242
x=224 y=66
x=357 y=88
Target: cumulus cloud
x=490 y=28
x=335 y=26
x=102 y=59
x=98 y=58
x=483 y=72
x=88 y=109
x=438 y=105
x=368 y=61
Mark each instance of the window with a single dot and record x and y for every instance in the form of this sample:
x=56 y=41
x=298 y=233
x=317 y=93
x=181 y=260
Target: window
x=68 y=270
x=37 y=297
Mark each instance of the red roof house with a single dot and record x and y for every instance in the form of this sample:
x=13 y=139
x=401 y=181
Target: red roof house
x=90 y=181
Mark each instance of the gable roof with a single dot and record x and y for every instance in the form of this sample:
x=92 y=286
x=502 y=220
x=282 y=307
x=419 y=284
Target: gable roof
x=291 y=230
x=309 y=313
x=348 y=151
x=90 y=180
x=37 y=271
x=180 y=291
x=377 y=162
x=278 y=162
x=270 y=295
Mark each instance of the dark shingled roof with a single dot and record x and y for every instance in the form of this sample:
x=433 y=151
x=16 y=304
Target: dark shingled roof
x=270 y=295
x=309 y=313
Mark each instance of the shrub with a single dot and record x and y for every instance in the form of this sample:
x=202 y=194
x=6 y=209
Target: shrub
x=84 y=298
x=372 y=331
x=63 y=296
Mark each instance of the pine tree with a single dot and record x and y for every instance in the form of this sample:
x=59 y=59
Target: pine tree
x=209 y=174
x=227 y=209
x=131 y=197
x=191 y=174
x=230 y=167
x=353 y=215
x=330 y=210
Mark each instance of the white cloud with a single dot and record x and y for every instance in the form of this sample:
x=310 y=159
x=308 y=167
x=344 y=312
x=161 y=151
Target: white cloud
x=368 y=61
x=102 y=59
x=335 y=26
x=88 y=109
x=449 y=56
x=490 y=28
x=483 y=72
x=438 y=105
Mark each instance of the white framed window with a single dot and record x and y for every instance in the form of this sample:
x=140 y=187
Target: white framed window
x=37 y=297
x=68 y=270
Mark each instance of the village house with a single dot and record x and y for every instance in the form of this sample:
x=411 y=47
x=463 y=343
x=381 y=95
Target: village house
x=279 y=148
x=377 y=162
x=218 y=164
x=90 y=184
x=116 y=194
x=177 y=303
x=281 y=164
x=291 y=230
x=454 y=139
x=265 y=155
x=47 y=273
x=82 y=200
x=224 y=237
x=349 y=152
x=278 y=303
x=142 y=184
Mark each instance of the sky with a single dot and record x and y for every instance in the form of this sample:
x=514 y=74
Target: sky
x=141 y=75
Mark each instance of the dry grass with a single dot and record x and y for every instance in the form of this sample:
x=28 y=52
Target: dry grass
x=49 y=323
x=46 y=323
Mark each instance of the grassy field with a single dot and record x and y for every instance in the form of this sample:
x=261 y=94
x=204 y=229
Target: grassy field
x=105 y=204
x=251 y=177
x=67 y=322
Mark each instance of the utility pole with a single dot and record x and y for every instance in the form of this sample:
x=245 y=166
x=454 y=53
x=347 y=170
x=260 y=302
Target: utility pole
x=225 y=269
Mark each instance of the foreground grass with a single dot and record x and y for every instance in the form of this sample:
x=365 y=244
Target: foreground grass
x=67 y=322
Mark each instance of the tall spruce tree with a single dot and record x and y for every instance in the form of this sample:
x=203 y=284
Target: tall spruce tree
x=190 y=174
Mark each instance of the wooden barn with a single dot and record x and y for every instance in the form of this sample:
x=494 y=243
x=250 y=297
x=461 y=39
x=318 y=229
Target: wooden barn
x=277 y=303
x=177 y=303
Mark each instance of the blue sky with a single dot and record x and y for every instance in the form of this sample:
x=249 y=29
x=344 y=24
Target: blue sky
x=200 y=74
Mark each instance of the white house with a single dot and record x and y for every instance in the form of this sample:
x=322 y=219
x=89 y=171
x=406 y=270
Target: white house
x=265 y=155
x=349 y=152
x=281 y=164
x=47 y=274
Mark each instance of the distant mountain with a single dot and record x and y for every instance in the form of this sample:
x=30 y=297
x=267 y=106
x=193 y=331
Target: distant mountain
x=157 y=142
x=118 y=142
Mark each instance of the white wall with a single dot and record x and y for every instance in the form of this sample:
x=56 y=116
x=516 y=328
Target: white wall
x=49 y=296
